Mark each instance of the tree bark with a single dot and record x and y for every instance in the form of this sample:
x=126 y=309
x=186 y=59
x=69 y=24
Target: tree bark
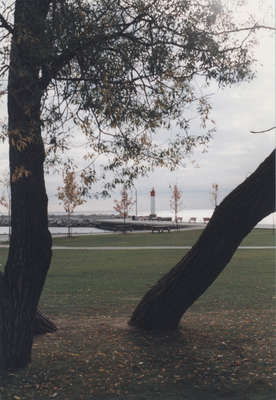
x=30 y=244
x=164 y=304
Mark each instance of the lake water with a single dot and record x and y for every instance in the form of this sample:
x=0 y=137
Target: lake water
x=4 y=231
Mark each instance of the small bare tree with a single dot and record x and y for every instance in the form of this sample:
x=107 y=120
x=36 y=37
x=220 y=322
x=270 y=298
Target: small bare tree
x=124 y=205
x=214 y=194
x=71 y=195
x=175 y=201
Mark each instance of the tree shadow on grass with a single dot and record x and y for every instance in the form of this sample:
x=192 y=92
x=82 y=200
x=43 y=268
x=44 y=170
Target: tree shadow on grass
x=229 y=354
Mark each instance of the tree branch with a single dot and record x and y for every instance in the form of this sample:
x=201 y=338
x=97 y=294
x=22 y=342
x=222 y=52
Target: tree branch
x=4 y=24
x=264 y=131
x=236 y=30
x=58 y=62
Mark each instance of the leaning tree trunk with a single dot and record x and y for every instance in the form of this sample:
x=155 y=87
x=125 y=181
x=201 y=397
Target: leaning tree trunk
x=164 y=304
x=30 y=244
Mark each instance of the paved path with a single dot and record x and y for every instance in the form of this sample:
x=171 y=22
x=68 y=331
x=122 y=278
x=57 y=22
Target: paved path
x=143 y=247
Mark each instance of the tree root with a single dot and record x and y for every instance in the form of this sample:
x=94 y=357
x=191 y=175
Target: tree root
x=43 y=325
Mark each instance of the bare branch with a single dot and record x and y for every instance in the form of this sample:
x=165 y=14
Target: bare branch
x=248 y=28
x=264 y=131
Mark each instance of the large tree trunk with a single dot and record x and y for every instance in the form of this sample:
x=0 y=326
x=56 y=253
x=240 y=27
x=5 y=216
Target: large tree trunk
x=30 y=245
x=164 y=304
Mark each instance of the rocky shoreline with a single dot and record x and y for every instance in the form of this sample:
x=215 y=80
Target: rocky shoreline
x=62 y=220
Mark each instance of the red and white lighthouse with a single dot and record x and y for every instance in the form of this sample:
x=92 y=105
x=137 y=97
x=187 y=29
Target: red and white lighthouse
x=152 y=203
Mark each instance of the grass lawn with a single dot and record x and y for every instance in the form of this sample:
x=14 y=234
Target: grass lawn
x=258 y=237
x=222 y=350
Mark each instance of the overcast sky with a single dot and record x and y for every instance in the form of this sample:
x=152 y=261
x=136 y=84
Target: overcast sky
x=233 y=153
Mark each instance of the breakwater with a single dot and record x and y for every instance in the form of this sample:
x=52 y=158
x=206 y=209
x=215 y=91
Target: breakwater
x=119 y=225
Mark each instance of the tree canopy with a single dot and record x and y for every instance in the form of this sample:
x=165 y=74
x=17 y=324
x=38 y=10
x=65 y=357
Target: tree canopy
x=128 y=75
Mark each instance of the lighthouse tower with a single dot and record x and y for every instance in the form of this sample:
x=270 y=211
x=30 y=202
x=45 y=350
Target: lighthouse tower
x=152 y=204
